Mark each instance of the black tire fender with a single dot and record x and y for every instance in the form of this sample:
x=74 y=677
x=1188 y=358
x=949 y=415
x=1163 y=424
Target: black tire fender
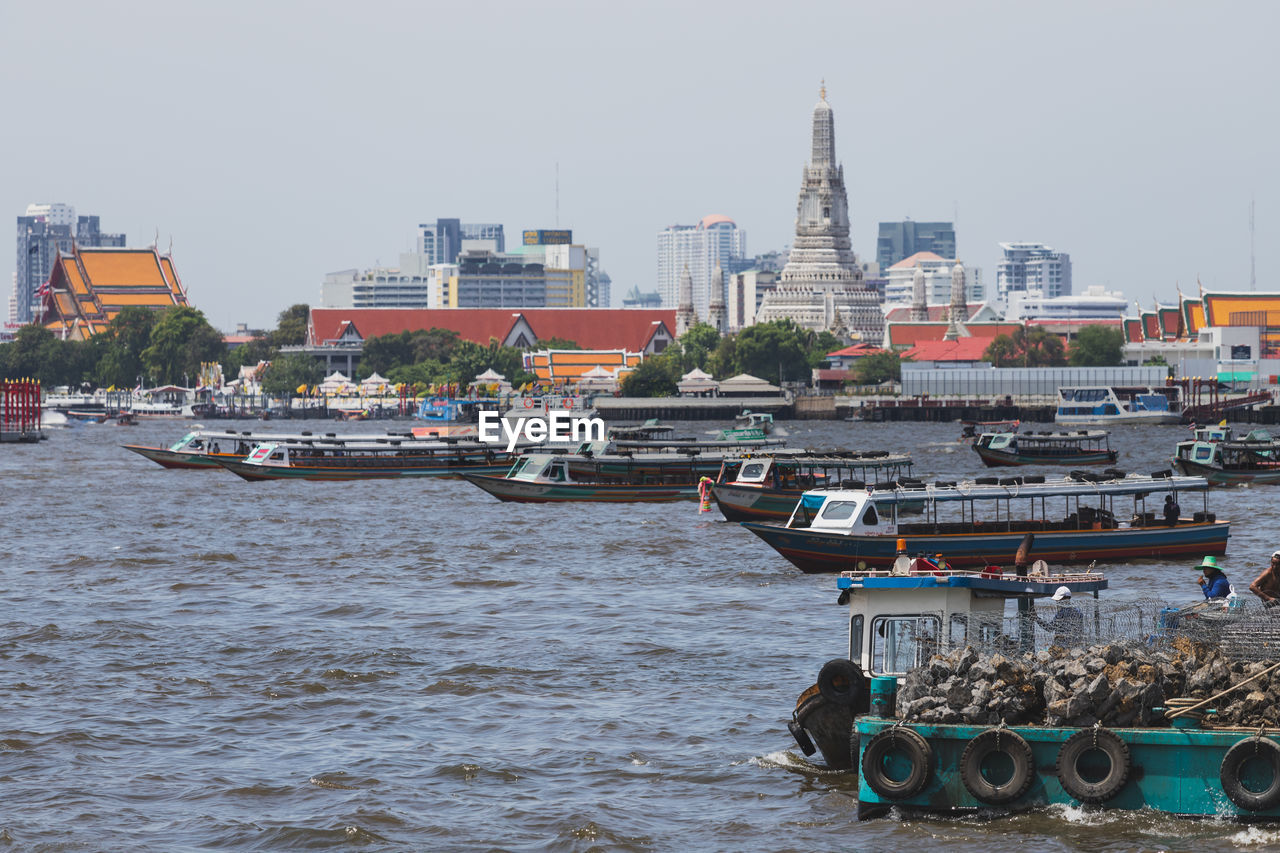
x=914 y=747
x=1233 y=763
x=988 y=743
x=802 y=738
x=1085 y=740
x=840 y=681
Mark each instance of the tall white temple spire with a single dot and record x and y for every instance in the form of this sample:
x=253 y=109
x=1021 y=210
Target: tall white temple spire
x=822 y=273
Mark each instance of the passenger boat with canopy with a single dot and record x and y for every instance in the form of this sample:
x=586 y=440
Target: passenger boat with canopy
x=201 y=449
x=767 y=486
x=367 y=460
x=1082 y=447
x=605 y=477
x=1075 y=519
x=1226 y=461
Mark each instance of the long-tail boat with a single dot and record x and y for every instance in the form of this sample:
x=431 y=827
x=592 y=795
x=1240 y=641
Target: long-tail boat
x=364 y=460
x=1074 y=519
x=201 y=449
x=767 y=486
x=1226 y=461
x=1081 y=447
x=607 y=477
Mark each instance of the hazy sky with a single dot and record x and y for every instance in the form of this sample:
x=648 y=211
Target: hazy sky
x=275 y=142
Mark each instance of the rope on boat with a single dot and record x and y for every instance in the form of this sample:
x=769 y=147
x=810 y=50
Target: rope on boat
x=1191 y=708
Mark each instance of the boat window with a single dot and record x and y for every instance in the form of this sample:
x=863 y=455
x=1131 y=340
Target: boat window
x=839 y=510
x=752 y=471
x=901 y=643
x=1203 y=452
x=855 y=638
x=870 y=518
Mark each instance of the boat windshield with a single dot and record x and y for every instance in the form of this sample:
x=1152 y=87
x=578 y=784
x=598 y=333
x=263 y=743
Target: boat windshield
x=191 y=439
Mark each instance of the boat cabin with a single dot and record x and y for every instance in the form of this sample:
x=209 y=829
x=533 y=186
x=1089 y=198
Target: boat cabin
x=1119 y=404
x=900 y=618
x=991 y=504
x=809 y=470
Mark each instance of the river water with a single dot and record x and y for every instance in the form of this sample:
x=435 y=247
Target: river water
x=191 y=661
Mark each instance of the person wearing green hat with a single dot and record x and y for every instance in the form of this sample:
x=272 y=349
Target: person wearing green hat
x=1213 y=582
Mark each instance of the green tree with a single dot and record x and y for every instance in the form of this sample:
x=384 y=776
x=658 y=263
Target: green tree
x=122 y=343
x=696 y=346
x=181 y=339
x=656 y=376
x=1026 y=347
x=291 y=326
x=778 y=351
x=1097 y=346
x=248 y=354
x=289 y=371
x=470 y=359
x=878 y=367
x=384 y=353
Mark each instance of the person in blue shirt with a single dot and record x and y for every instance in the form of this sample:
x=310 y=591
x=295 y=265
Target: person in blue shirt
x=1213 y=582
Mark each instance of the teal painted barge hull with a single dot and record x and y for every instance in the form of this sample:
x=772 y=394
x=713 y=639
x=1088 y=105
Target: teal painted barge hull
x=1172 y=770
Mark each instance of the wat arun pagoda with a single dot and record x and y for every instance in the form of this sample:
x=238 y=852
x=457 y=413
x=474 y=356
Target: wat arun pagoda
x=821 y=285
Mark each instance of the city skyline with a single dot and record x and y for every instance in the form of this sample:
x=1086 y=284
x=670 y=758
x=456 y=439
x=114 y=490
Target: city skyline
x=1130 y=137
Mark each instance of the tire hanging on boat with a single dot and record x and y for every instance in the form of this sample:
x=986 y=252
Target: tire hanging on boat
x=989 y=743
x=1264 y=749
x=914 y=748
x=802 y=738
x=840 y=681
x=1086 y=740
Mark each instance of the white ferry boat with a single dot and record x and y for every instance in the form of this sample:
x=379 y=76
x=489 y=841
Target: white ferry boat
x=1114 y=404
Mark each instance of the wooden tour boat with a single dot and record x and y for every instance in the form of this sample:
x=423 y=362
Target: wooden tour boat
x=367 y=460
x=1082 y=447
x=201 y=449
x=605 y=477
x=1074 y=519
x=767 y=487
x=1224 y=461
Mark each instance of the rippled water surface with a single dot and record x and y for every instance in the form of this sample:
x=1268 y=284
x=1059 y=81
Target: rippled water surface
x=188 y=660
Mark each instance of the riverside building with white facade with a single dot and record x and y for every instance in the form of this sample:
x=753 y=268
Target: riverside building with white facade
x=1032 y=266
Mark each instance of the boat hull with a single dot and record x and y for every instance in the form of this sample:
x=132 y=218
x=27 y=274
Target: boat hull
x=1125 y=419
x=176 y=458
x=817 y=552
x=1225 y=477
x=998 y=458
x=524 y=491
x=1172 y=770
x=754 y=503
x=254 y=472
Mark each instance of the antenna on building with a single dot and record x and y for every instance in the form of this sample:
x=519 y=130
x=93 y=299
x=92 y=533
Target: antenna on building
x=557 y=194
x=1253 y=278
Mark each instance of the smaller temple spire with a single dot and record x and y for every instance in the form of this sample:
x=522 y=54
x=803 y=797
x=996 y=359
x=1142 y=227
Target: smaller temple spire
x=959 y=306
x=716 y=310
x=919 y=301
x=685 y=316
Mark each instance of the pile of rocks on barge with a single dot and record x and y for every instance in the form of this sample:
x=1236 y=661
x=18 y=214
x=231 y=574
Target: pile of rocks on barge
x=1111 y=684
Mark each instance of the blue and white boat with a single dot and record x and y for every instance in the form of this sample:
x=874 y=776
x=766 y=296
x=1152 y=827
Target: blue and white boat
x=1074 y=519
x=1114 y=404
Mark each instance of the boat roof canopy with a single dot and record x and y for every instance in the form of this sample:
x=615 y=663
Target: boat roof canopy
x=1013 y=487
x=992 y=582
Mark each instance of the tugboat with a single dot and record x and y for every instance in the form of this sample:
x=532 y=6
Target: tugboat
x=1115 y=739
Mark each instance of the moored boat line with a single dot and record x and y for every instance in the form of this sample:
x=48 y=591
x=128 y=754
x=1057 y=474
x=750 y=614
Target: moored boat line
x=1226 y=461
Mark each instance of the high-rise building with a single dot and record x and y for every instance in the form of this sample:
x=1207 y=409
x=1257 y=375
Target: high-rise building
x=937 y=273
x=900 y=240
x=716 y=239
x=821 y=285
x=1032 y=266
x=442 y=241
x=43 y=232
x=405 y=286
